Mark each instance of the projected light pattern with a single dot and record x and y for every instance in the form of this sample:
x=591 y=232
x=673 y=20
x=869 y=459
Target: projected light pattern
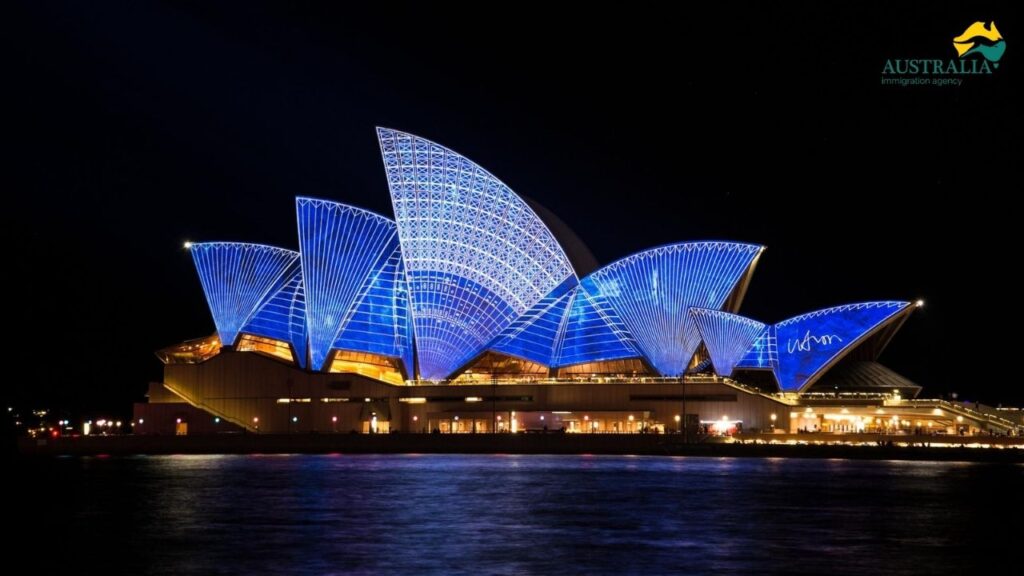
x=763 y=353
x=379 y=323
x=476 y=256
x=342 y=249
x=811 y=342
x=238 y=279
x=283 y=317
x=535 y=335
x=467 y=267
x=593 y=333
x=652 y=291
x=726 y=336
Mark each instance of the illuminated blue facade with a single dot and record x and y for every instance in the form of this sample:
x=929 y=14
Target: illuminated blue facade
x=799 y=350
x=726 y=336
x=652 y=292
x=535 y=335
x=238 y=279
x=763 y=353
x=593 y=332
x=468 y=267
x=283 y=317
x=380 y=321
x=344 y=251
x=809 y=343
x=476 y=255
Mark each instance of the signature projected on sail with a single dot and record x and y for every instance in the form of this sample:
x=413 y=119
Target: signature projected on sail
x=805 y=344
x=981 y=39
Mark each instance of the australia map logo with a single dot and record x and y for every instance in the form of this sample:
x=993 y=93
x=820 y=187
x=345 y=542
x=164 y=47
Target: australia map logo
x=983 y=40
x=978 y=51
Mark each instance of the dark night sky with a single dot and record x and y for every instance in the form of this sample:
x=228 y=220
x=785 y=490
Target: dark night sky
x=137 y=125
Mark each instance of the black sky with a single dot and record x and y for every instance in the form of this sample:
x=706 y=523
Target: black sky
x=133 y=126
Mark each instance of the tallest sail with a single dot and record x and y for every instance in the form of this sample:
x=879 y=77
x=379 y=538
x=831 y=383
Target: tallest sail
x=476 y=255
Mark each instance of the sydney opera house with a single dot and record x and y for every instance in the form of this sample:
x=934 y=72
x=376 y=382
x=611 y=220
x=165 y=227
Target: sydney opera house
x=474 y=310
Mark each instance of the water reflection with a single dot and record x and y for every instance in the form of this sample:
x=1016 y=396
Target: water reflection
x=510 y=514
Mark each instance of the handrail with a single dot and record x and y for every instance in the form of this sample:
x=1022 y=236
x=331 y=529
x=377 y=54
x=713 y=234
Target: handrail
x=955 y=407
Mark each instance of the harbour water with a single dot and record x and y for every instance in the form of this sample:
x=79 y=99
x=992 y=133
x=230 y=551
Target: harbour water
x=419 y=514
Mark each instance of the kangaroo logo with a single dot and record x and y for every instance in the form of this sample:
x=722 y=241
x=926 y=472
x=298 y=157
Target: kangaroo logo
x=983 y=40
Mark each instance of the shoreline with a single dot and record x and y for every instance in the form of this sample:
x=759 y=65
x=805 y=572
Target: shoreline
x=920 y=448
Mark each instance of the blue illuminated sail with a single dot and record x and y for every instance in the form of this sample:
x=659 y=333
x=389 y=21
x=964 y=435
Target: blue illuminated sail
x=343 y=249
x=726 y=336
x=238 y=279
x=379 y=323
x=476 y=255
x=593 y=333
x=535 y=334
x=283 y=317
x=763 y=353
x=810 y=343
x=652 y=291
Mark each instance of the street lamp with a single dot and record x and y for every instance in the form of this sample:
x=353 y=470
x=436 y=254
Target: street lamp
x=773 y=417
x=678 y=419
x=682 y=387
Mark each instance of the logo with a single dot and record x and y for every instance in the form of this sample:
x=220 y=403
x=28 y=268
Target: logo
x=978 y=51
x=983 y=40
